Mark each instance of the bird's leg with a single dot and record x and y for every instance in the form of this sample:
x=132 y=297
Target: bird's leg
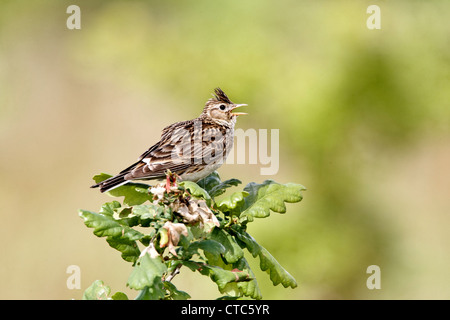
x=171 y=180
x=176 y=177
x=168 y=183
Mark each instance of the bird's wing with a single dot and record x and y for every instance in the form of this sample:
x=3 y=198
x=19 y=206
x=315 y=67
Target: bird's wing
x=170 y=153
x=213 y=145
x=165 y=136
x=183 y=146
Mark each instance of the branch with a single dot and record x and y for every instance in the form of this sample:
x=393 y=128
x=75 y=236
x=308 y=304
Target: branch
x=174 y=273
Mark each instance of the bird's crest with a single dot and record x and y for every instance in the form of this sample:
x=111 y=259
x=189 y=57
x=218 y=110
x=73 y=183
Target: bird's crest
x=220 y=96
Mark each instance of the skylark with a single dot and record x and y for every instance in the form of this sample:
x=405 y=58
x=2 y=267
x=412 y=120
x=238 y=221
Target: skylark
x=192 y=149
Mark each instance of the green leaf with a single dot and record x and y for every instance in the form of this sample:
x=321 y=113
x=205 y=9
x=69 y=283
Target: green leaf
x=156 y=292
x=107 y=226
x=119 y=296
x=228 y=298
x=129 y=249
x=267 y=262
x=194 y=266
x=146 y=273
x=233 y=203
x=174 y=293
x=233 y=251
x=97 y=291
x=163 y=237
x=248 y=288
x=223 y=277
x=109 y=208
x=220 y=188
x=119 y=235
x=214 y=186
x=133 y=193
x=267 y=196
x=277 y=273
x=196 y=190
x=210 y=246
x=146 y=211
x=210 y=181
x=250 y=243
x=124 y=212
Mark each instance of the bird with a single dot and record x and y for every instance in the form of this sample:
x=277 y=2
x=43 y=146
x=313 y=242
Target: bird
x=190 y=149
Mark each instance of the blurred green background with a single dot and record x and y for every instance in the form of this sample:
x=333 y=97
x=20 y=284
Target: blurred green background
x=363 y=118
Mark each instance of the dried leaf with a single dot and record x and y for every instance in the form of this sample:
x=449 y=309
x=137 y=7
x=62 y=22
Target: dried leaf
x=174 y=232
x=198 y=212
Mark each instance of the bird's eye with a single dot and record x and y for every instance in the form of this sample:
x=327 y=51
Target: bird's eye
x=222 y=107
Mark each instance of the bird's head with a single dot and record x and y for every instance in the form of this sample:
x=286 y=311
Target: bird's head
x=220 y=108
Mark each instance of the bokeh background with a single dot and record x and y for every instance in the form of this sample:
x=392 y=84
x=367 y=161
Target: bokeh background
x=363 y=118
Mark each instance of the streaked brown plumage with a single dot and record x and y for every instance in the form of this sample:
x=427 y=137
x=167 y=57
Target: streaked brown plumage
x=192 y=149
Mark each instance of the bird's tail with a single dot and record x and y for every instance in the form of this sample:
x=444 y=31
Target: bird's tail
x=111 y=183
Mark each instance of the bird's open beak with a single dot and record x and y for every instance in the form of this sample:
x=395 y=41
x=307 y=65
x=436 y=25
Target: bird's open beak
x=238 y=113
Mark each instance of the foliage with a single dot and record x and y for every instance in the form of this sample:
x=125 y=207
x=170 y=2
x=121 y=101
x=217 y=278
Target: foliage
x=187 y=227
